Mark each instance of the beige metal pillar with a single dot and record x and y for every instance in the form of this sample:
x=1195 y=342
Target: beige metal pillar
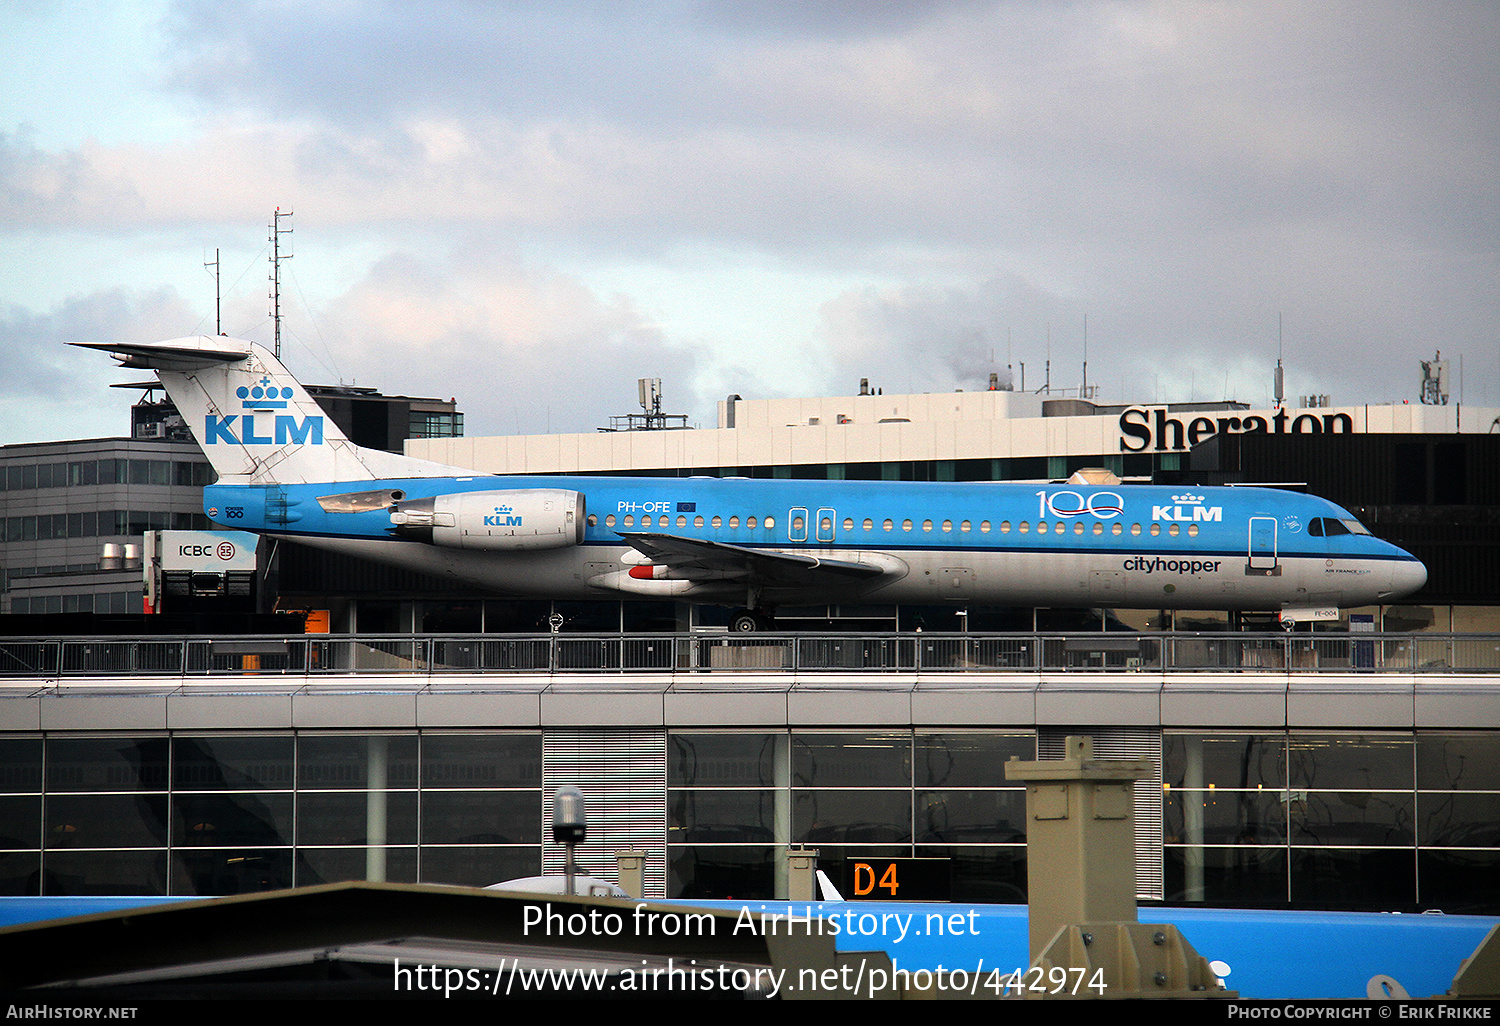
x=1080 y=839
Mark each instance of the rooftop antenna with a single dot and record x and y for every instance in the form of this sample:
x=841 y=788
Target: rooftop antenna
x=1085 y=393
x=218 y=327
x=1047 y=368
x=1280 y=396
x=276 y=258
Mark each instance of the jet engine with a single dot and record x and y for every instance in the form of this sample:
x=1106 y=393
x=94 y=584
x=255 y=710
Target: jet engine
x=518 y=519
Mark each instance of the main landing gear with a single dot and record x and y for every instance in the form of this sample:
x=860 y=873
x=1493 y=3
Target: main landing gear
x=748 y=621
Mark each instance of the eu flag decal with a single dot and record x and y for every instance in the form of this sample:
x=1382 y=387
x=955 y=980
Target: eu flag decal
x=687 y=507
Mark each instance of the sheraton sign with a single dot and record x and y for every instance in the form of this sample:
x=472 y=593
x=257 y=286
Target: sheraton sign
x=1143 y=430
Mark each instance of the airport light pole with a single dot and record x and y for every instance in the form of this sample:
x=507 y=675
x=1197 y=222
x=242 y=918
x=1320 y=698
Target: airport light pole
x=569 y=825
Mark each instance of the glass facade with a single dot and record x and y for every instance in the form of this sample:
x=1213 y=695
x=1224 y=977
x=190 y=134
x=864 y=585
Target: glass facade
x=1393 y=821
x=1387 y=820
x=226 y=814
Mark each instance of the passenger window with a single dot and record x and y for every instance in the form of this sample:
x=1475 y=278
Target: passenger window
x=797 y=527
x=848 y=524
x=629 y=520
x=1077 y=528
x=888 y=525
x=1004 y=526
x=734 y=522
x=1116 y=529
x=1059 y=527
x=1192 y=530
x=869 y=524
x=1135 y=529
x=1024 y=527
x=681 y=520
x=984 y=527
x=593 y=520
x=1099 y=528
x=750 y=523
x=717 y=522
x=826 y=525
x=1155 y=530
x=609 y=521
x=964 y=527
x=906 y=525
x=697 y=521
x=770 y=523
x=1041 y=528
x=1173 y=530
x=947 y=526
x=927 y=525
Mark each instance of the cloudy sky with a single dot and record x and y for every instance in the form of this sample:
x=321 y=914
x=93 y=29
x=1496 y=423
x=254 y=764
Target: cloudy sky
x=529 y=205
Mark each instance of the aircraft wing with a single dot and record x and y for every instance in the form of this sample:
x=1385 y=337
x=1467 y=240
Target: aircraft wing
x=690 y=558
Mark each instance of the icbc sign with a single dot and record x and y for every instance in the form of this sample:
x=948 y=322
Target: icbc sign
x=225 y=550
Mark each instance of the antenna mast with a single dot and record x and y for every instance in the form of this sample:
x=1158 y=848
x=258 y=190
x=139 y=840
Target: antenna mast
x=218 y=325
x=276 y=258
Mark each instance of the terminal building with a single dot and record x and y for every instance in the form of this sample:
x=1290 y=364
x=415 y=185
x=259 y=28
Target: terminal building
x=1309 y=770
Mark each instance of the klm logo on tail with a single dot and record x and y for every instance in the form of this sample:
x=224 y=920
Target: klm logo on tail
x=286 y=430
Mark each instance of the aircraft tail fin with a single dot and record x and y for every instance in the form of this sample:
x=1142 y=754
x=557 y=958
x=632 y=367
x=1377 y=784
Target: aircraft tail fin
x=254 y=420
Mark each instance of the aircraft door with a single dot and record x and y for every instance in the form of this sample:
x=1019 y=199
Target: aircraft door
x=1262 y=555
x=827 y=518
x=796 y=524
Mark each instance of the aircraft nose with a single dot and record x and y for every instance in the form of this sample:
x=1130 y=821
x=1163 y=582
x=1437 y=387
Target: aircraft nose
x=1407 y=576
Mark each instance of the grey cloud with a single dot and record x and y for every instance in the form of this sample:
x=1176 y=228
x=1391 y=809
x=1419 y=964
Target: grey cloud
x=50 y=390
x=523 y=348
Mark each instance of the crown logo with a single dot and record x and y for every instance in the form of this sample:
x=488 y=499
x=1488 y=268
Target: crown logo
x=1187 y=497
x=504 y=510
x=263 y=395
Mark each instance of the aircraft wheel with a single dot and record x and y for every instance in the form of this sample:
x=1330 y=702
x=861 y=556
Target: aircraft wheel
x=744 y=623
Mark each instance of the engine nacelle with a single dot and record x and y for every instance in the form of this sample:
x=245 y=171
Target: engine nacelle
x=522 y=518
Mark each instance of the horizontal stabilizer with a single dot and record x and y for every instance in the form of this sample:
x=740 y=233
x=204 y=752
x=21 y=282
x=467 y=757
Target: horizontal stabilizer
x=175 y=354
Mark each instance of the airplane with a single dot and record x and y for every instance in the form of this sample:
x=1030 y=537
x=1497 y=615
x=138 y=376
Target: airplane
x=286 y=470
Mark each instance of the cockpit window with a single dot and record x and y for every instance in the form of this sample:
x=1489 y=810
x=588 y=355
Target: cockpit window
x=1330 y=527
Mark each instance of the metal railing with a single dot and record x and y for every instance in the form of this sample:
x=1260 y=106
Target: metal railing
x=658 y=653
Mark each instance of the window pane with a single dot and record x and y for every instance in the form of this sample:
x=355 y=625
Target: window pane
x=220 y=820
x=851 y=760
x=107 y=764
x=1352 y=818
x=482 y=817
x=721 y=760
x=969 y=760
x=482 y=760
x=969 y=817
x=332 y=761
x=851 y=817
x=1244 y=761
x=721 y=816
x=1458 y=762
x=1352 y=761
x=343 y=817
x=234 y=763
x=1225 y=817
